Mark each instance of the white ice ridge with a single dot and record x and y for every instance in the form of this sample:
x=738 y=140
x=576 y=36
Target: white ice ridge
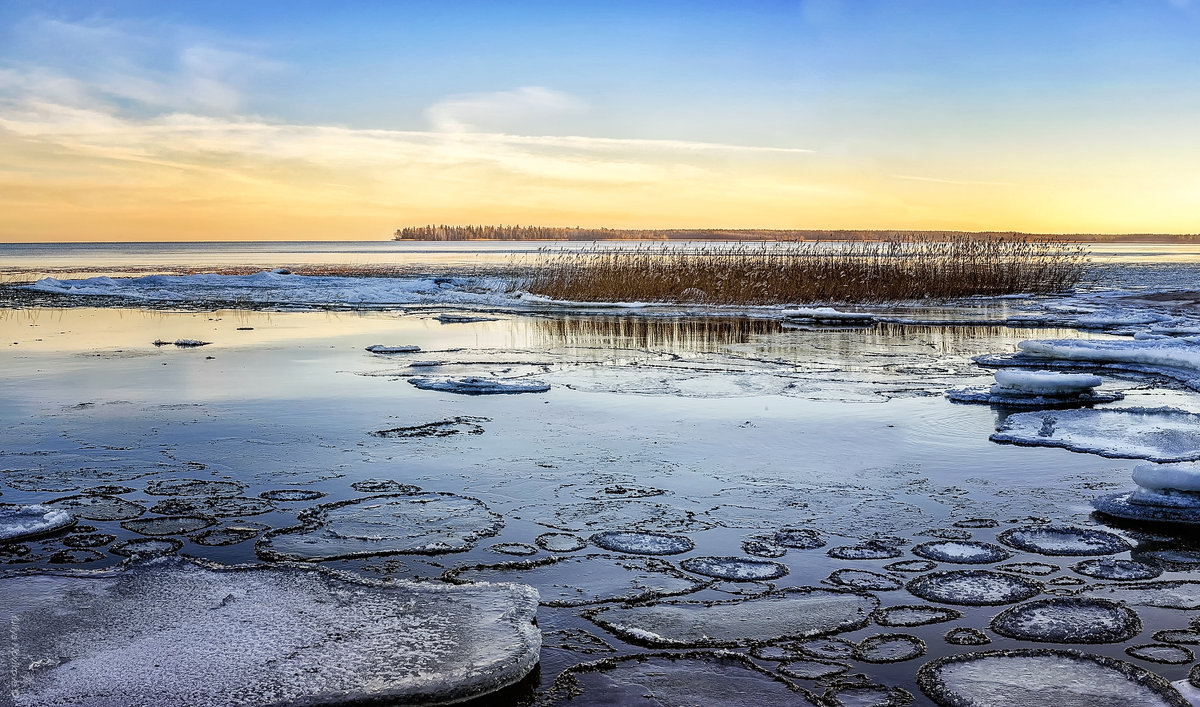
x=827 y=314
x=1169 y=353
x=1043 y=383
x=1180 y=477
x=174 y=632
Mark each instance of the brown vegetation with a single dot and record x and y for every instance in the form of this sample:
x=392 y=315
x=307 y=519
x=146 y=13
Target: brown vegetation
x=555 y=233
x=807 y=272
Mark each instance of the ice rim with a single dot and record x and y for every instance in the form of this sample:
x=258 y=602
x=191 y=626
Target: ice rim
x=931 y=683
x=506 y=669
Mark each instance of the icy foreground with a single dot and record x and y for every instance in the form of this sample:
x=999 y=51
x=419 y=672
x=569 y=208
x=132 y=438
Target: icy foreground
x=173 y=632
x=1177 y=358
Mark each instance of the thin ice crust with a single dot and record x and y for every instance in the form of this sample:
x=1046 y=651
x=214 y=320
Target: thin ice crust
x=171 y=631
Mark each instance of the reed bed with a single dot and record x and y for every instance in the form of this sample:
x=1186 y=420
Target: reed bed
x=807 y=272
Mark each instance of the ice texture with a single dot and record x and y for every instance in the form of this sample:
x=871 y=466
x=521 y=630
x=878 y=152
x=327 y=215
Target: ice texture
x=867 y=550
x=1113 y=569
x=98 y=507
x=1156 y=434
x=736 y=569
x=23 y=522
x=1068 y=620
x=1122 y=505
x=967 y=552
x=914 y=615
x=194 y=487
x=1177 y=358
x=474 y=385
x=1063 y=540
x=864 y=579
x=714 y=679
x=172 y=632
x=966 y=636
x=1063 y=678
x=388 y=524
x=642 y=543
x=1174 y=477
x=560 y=542
x=1162 y=653
x=168 y=525
x=1183 y=594
x=579 y=580
x=889 y=648
x=812 y=669
x=793 y=613
x=146 y=547
x=973 y=587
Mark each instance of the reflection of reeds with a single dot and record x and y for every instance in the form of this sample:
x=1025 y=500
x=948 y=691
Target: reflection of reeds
x=876 y=271
x=654 y=334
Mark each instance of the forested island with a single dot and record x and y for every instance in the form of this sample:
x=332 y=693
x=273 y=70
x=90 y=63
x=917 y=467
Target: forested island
x=558 y=233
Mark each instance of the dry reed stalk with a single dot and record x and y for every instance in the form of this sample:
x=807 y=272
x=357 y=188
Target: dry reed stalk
x=800 y=272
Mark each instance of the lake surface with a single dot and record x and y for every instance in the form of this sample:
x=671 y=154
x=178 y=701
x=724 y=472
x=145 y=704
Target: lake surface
x=774 y=453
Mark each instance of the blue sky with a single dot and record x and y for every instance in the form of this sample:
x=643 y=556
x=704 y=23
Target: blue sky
x=886 y=100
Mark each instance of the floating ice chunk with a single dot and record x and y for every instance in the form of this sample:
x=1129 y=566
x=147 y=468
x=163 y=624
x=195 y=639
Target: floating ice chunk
x=88 y=540
x=463 y=318
x=418 y=523
x=1157 y=434
x=146 y=547
x=1121 y=505
x=168 y=525
x=1188 y=636
x=966 y=636
x=1178 y=356
x=762 y=547
x=1063 y=678
x=1183 y=594
x=827 y=648
x=1045 y=383
x=98 y=507
x=812 y=669
x=736 y=569
x=1174 y=477
x=864 y=579
x=386 y=349
x=24 y=522
x=911 y=566
x=182 y=343
x=473 y=385
x=914 y=615
x=799 y=538
x=220 y=506
x=792 y=613
x=1162 y=653
x=172 y=632
x=291 y=495
x=560 y=542
x=889 y=648
x=1061 y=540
x=643 y=543
x=1116 y=570
x=194 y=487
x=828 y=314
x=516 y=549
x=973 y=587
x=966 y=552
x=228 y=535
x=579 y=580
x=867 y=550
x=1068 y=620
x=673 y=680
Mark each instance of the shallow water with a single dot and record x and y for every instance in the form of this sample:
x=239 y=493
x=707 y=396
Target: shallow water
x=719 y=430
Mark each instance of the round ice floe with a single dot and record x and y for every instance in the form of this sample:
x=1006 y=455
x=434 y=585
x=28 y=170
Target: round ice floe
x=737 y=569
x=24 y=522
x=1052 y=540
x=914 y=615
x=1181 y=594
x=75 y=556
x=516 y=549
x=1036 y=569
x=868 y=550
x=559 y=542
x=966 y=636
x=812 y=669
x=579 y=580
x=1047 y=383
x=965 y=552
x=229 y=535
x=976 y=523
x=419 y=523
x=775 y=652
x=793 y=613
x=828 y=648
x=863 y=579
x=799 y=538
x=221 y=506
x=762 y=547
x=383 y=486
x=1178 y=635
x=88 y=540
x=1116 y=570
x=169 y=632
x=1062 y=678
x=170 y=525
x=473 y=385
x=194 y=487
x=146 y=547
x=947 y=533
x=643 y=543
x=1068 y=620
x=111 y=490
x=1162 y=653
x=973 y=587
x=861 y=691
x=98 y=507
x=288 y=495
x=911 y=566
x=695 y=678
x=1169 y=557
x=889 y=648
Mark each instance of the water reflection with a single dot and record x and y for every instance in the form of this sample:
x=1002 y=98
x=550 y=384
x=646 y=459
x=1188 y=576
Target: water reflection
x=676 y=335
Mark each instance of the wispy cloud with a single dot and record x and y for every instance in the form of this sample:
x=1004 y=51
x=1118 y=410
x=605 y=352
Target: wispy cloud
x=502 y=111
x=961 y=182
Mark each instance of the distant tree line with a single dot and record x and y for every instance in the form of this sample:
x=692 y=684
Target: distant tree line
x=558 y=233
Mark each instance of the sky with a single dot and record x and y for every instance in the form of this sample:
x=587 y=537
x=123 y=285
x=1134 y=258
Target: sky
x=215 y=120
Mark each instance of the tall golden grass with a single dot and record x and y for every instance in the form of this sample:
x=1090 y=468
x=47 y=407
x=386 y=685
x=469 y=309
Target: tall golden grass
x=808 y=272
